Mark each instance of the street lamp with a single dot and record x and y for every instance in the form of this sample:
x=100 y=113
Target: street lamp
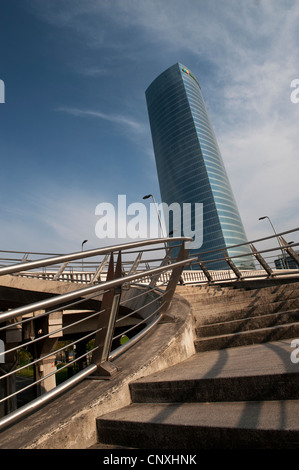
x=85 y=241
x=283 y=253
x=160 y=221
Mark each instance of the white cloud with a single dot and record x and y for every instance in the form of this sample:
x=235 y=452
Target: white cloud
x=115 y=118
x=260 y=139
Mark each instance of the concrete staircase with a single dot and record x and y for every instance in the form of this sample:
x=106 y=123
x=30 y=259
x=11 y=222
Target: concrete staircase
x=240 y=390
x=231 y=317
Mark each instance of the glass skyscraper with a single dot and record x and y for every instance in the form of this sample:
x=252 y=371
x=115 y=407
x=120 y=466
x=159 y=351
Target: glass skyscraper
x=189 y=164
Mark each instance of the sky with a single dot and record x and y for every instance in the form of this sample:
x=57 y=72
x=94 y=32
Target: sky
x=74 y=128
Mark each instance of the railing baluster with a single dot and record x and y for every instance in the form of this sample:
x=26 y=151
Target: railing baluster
x=99 y=270
x=232 y=265
x=289 y=250
x=172 y=284
x=205 y=270
x=106 y=323
x=261 y=260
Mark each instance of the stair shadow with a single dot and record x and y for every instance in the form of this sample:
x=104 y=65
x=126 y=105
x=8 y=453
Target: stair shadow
x=168 y=410
x=251 y=420
x=283 y=355
x=247 y=414
x=219 y=364
x=280 y=299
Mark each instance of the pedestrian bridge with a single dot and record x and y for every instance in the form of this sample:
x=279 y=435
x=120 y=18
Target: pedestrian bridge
x=87 y=334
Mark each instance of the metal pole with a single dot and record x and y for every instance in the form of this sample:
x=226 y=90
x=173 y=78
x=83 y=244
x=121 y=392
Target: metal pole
x=282 y=250
x=85 y=241
x=159 y=218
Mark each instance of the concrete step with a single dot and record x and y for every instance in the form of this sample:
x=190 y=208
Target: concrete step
x=203 y=290
x=245 y=324
x=255 y=372
x=240 y=304
x=244 y=397
x=242 y=338
x=203 y=425
x=241 y=300
x=231 y=292
x=214 y=293
x=211 y=315
x=235 y=388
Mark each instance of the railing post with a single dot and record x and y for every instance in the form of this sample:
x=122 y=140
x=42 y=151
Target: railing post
x=164 y=262
x=172 y=284
x=60 y=271
x=135 y=264
x=8 y=363
x=133 y=269
x=106 y=324
x=232 y=265
x=99 y=270
x=261 y=260
x=205 y=270
x=289 y=250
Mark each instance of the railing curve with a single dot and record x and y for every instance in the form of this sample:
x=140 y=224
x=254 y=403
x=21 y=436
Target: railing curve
x=124 y=292
x=79 y=333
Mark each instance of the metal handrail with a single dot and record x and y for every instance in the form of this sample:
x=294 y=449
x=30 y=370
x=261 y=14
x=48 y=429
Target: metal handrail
x=151 y=303
x=58 y=299
x=245 y=255
x=254 y=241
x=213 y=258
x=28 y=265
x=150 y=310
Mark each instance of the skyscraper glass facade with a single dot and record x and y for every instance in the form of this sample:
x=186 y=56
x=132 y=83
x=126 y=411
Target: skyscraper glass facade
x=189 y=164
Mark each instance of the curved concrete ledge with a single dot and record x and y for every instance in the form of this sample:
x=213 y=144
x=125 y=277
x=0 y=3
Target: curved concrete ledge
x=69 y=422
x=16 y=291
x=38 y=285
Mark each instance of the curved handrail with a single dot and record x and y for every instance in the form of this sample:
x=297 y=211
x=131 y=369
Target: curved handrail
x=155 y=308
x=59 y=299
x=151 y=307
x=28 y=265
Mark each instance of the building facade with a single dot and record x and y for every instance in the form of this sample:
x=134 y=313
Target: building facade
x=189 y=164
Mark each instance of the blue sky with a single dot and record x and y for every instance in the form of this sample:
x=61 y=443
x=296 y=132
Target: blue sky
x=75 y=130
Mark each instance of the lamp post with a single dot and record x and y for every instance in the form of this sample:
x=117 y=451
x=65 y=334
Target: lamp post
x=85 y=241
x=282 y=251
x=159 y=218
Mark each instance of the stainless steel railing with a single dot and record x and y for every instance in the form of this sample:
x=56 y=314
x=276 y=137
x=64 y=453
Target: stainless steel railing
x=113 y=306
x=62 y=339
x=70 y=267
x=270 y=257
